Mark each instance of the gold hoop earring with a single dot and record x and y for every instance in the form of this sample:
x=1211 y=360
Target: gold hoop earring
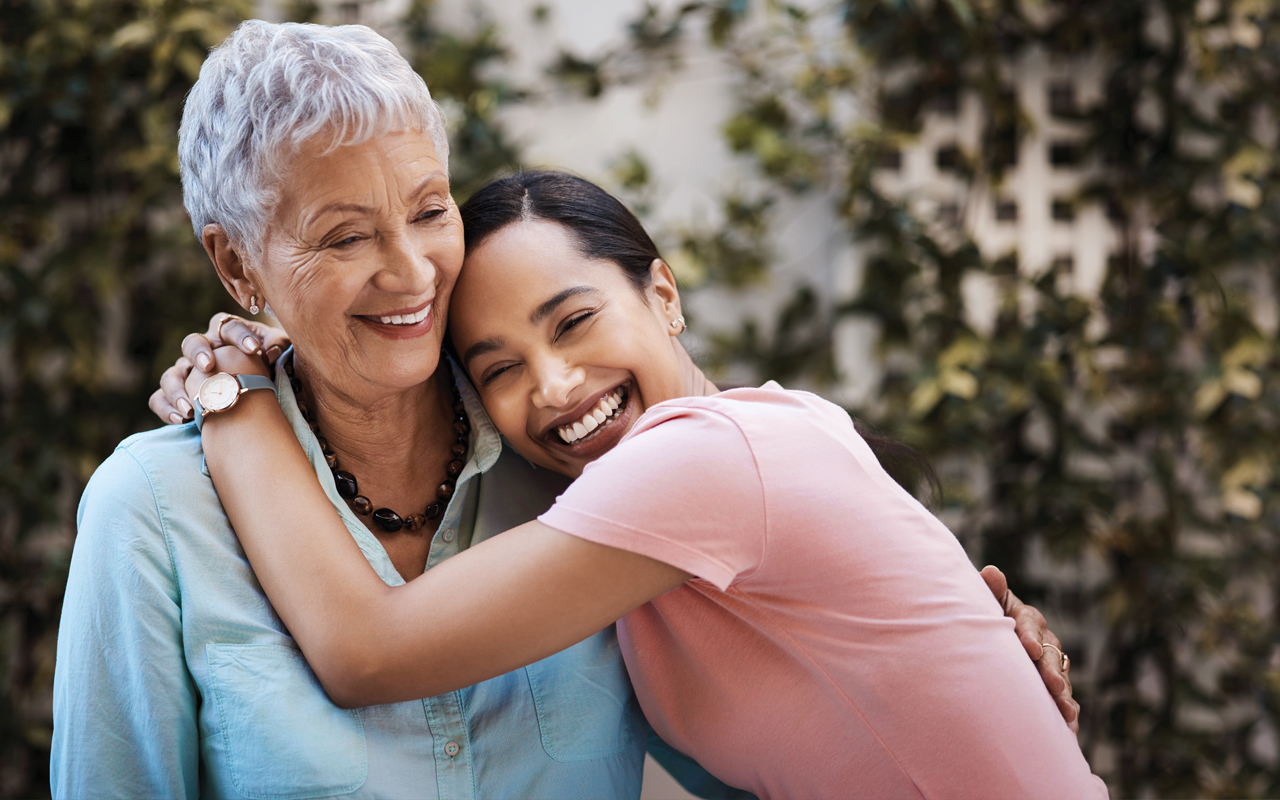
x=678 y=325
x=253 y=304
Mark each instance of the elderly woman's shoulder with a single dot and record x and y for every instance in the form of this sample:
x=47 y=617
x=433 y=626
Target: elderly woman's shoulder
x=160 y=470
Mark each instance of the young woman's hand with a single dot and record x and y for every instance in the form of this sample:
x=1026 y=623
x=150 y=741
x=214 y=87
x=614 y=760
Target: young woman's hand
x=171 y=402
x=227 y=359
x=1041 y=644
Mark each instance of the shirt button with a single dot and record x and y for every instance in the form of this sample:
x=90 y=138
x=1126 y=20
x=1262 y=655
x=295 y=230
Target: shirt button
x=448 y=535
x=452 y=749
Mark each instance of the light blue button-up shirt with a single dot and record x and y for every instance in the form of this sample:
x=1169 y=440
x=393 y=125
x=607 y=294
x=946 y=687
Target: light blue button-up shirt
x=175 y=678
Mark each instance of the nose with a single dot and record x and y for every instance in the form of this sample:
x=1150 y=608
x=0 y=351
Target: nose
x=554 y=382
x=405 y=267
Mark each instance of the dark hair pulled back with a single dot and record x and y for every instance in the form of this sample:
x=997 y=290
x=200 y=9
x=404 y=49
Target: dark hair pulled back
x=601 y=226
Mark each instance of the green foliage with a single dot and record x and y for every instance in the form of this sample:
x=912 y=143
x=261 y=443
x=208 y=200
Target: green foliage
x=100 y=275
x=1112 y=451
x=454 y=65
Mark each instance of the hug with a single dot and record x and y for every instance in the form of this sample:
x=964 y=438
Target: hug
x=487 y=531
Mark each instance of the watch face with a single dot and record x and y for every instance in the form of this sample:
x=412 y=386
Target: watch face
x=219 y=391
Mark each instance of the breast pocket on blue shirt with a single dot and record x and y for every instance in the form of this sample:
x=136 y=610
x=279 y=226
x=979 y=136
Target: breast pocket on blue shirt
x=583 y=699
x=284 y=739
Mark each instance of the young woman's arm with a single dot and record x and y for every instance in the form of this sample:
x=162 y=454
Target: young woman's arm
x=507 y=602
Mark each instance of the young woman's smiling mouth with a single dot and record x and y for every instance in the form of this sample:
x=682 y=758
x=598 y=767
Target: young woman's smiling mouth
x=596 y=426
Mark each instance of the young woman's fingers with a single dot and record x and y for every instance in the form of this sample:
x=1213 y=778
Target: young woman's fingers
x=160 y=406
x=197 y=349
x=172 y=385
x=270 y=336
x=231 y=330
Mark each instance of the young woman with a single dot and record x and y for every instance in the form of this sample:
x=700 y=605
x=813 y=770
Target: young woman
x=790 y=616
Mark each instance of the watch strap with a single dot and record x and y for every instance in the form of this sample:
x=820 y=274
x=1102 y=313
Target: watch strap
x=248 y=382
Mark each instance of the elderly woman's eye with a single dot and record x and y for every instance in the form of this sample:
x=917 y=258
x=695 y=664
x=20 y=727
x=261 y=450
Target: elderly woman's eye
x=349 y=240
x=431 y=213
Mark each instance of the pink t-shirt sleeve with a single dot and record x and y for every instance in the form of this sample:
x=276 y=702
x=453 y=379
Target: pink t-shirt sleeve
x=683 y=488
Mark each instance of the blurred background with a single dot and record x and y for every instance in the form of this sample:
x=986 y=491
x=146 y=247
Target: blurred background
x=1035 y=239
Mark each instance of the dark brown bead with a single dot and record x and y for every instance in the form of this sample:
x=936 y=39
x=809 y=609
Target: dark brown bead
x=461 y=428
x=324 y=444
x=331 y=459
x=444 y=491
x=415 y=522
x=362 y=505
x=434 y=510
x=459 y=449
x=296 y=385
x=348 y=488
x=459 y=408
x=454 y=468
x=388 y=520
x=304 y=408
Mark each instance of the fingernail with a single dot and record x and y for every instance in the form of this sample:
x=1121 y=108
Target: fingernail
x=175 y=418
x=205 y=361
x=184 y=407
x=250 y=344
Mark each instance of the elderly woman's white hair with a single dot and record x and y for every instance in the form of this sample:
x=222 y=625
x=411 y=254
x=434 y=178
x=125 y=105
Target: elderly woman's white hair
x=270 y=88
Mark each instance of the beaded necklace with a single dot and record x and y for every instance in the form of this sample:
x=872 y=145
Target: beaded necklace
x=349 y=489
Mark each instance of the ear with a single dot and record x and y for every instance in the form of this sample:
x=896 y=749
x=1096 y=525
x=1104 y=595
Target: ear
x=233 y=271
x=665 y=294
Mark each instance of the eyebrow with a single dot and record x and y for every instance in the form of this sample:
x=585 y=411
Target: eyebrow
x=543 y=311
x=481 y=348
x=356 y=208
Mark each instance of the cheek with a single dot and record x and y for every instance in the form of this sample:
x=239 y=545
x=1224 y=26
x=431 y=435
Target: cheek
x=310 y=296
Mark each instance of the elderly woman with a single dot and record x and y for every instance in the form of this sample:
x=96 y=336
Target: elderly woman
x=314 y=168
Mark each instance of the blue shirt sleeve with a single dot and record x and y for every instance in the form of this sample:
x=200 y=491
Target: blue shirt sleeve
x=124 y=704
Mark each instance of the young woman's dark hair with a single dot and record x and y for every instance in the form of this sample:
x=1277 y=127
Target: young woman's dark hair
x=603 y=228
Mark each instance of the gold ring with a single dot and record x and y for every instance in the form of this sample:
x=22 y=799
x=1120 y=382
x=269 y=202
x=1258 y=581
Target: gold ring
x=1062 y=656
x=218 y=331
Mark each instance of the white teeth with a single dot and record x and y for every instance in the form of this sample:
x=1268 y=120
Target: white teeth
x=593 y=419
x=405 y=319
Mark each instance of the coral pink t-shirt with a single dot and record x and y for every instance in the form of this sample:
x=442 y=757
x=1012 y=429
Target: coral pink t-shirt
x=835 y=640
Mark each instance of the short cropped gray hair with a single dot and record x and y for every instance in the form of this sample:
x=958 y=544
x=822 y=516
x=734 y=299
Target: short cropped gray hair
x=270 y=88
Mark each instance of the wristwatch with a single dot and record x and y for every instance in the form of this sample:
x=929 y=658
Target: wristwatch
x=221 y=391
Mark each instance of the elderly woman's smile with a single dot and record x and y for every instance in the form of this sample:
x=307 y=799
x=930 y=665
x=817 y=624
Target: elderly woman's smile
x=360 y=259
